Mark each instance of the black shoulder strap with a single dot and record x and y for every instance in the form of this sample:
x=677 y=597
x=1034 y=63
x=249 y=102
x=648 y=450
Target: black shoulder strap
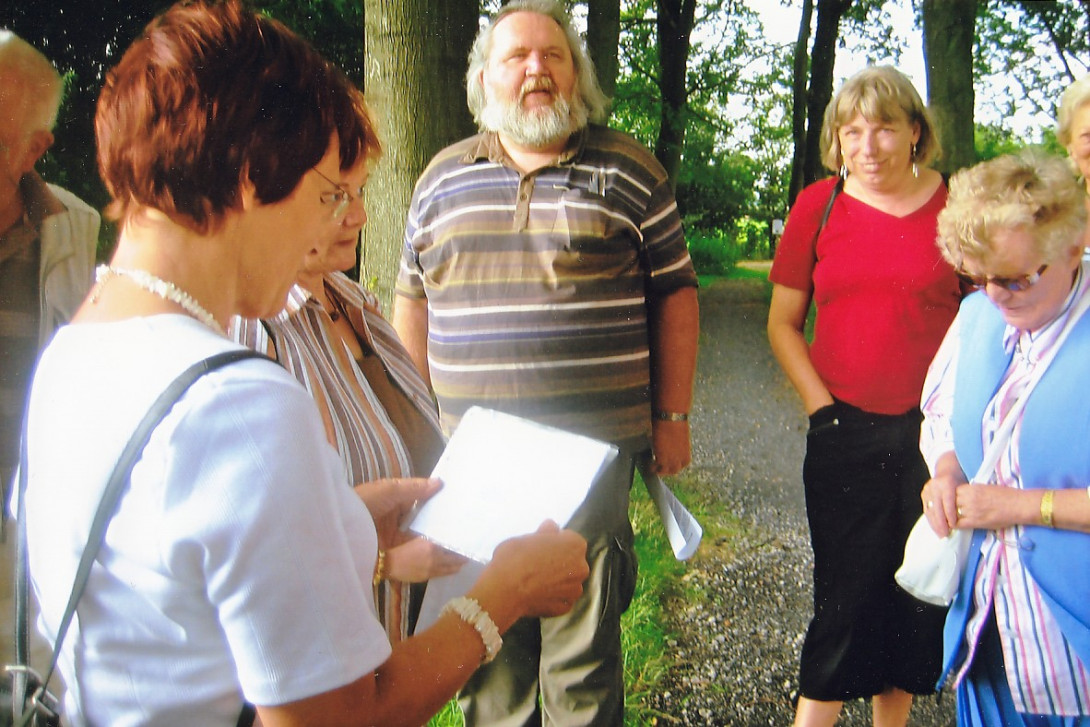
x=115 y=486
x=837 y=189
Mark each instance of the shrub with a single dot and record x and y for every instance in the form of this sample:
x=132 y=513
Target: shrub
x=712 y=252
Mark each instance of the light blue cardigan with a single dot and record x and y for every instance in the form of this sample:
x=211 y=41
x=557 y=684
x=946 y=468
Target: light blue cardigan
x=1054 y=452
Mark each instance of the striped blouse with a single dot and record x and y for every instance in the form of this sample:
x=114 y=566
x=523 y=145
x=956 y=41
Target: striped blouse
x=303 y=340
x=360 y=424
x=1044 y=674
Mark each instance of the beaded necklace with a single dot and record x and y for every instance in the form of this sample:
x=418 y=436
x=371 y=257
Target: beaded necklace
x=162 y=288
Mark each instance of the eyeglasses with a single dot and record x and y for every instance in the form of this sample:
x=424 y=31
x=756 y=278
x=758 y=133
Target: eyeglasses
x=1014 y=285
x=340 y=199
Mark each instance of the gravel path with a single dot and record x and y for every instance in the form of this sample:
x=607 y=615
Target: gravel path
x=738 y=648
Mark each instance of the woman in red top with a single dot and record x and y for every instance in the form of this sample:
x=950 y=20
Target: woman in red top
x=884 y=299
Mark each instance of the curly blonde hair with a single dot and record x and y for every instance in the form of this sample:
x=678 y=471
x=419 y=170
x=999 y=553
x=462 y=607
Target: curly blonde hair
x=1028 y=191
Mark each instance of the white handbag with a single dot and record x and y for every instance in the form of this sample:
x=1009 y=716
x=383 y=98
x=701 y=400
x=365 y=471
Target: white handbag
x=932 y=566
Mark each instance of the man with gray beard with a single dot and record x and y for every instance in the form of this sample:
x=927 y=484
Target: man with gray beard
x=545 y=274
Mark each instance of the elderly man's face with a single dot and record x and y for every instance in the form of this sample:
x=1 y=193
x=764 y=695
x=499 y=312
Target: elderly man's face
x=11 y=145
x=529 y=82
x=20 y=148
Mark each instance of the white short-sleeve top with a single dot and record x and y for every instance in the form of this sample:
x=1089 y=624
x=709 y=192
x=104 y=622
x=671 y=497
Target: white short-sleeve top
x=238 y=564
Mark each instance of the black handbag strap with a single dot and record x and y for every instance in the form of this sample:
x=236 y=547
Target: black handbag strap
x=115 y=486
x=837 y=189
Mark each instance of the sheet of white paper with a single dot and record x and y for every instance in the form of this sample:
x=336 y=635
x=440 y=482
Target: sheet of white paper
x=682 y=529
x=503 y=476
x=441 y=590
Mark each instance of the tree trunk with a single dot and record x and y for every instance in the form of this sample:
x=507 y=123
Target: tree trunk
x=798 y=105
x=675 y=26
x=415 y=81
x=948 y=29
x=603 y=34
x=822 y=58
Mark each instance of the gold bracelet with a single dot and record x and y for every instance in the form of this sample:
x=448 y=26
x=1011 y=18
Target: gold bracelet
x=380 y=568
x=1046 y=508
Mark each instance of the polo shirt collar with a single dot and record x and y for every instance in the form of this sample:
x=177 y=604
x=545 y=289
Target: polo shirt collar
x=488 y=147
x=38 y=201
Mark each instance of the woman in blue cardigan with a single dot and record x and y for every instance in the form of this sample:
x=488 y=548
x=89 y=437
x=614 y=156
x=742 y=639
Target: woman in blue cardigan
x=1017 y=637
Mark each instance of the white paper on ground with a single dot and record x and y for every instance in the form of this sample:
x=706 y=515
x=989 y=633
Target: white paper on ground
x=502 y=477
x=682 y=529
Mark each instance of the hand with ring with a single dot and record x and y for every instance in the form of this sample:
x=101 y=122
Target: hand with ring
x=993 y=507
x=939 y=495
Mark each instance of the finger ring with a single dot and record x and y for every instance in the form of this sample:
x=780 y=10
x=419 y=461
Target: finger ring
x=930 y=504
x=961 y=513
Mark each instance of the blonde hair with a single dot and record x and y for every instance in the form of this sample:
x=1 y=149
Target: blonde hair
x=1074 y=98
x=878 y=93
x=1028 y=191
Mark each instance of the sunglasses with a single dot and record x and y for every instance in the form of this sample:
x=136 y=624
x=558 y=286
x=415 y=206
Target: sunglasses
x=1014 y=285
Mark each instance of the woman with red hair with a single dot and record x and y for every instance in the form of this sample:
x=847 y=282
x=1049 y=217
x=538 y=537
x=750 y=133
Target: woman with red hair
x=238 y=567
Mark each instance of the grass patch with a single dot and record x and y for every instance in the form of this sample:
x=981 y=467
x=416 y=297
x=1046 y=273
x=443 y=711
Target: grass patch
x=743 y=273
x=449 y=716
x=645 y=636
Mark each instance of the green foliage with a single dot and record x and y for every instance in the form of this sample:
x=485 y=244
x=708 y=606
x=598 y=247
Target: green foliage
x=1029 y=52
x=712 y=253
x=714 y=189
x=335 y=27
x=716 y=252
x=737 y=152
x=751 y=239
x=992 y=141
x=869 y=29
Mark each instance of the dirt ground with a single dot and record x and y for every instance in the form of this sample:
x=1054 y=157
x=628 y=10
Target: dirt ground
x=738 y=647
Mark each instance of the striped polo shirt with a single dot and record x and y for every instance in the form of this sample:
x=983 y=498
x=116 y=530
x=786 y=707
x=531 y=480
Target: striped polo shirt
x=537 y=284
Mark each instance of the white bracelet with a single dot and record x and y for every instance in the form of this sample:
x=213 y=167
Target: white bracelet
x=471 y=612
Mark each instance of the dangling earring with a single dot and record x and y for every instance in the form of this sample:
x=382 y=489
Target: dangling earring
x=915 y=169
x=843 y=170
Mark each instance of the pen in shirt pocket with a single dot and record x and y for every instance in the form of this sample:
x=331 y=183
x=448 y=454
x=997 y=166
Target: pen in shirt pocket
x=597 y=182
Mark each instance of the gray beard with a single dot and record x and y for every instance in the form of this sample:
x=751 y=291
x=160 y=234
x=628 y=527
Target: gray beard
x=538 y=128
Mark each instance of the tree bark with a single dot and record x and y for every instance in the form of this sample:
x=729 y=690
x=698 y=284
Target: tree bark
x=948 y=31
x=415 y=82
x=675 y=26
x=799 y=98
x=822 y=58
x=603 y=35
